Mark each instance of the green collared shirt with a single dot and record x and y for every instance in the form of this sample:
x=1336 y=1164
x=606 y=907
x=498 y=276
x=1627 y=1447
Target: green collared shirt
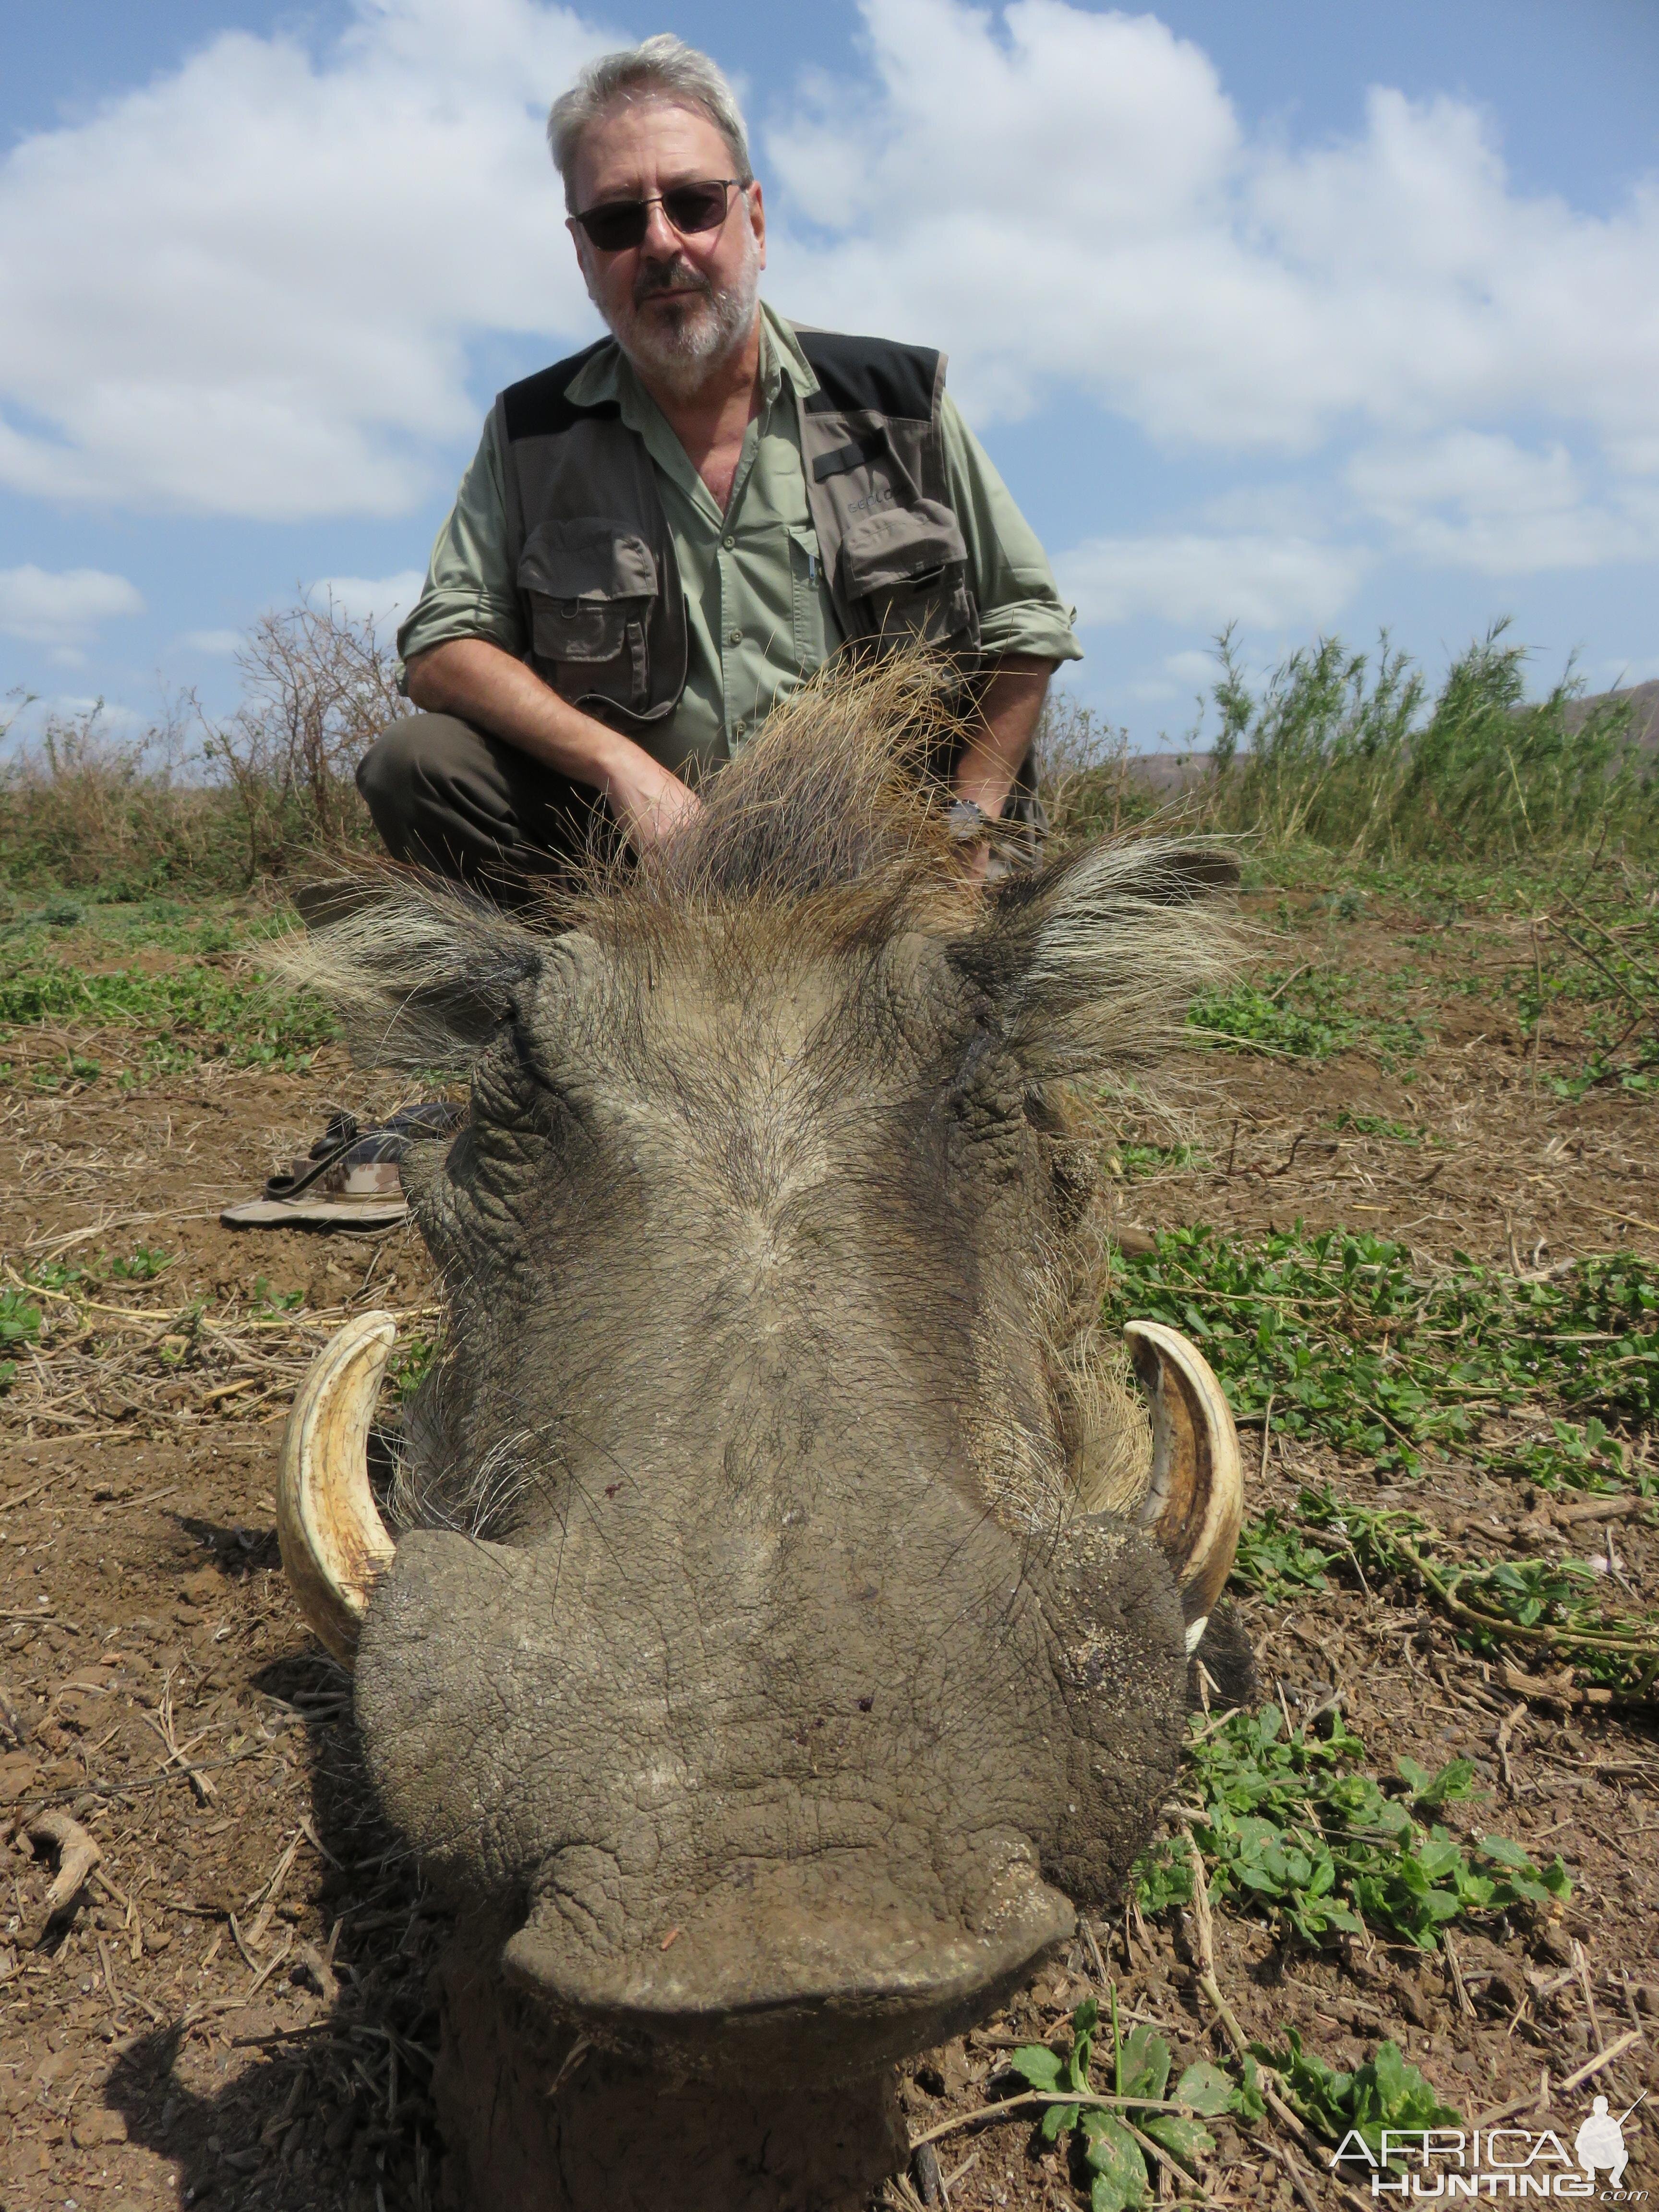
x=758 y=611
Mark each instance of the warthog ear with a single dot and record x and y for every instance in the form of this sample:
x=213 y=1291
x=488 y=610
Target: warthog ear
x=420 y=973
x=1090 y=962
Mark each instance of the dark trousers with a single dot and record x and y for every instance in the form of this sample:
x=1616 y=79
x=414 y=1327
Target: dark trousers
x=451 y=797
x=448 y=797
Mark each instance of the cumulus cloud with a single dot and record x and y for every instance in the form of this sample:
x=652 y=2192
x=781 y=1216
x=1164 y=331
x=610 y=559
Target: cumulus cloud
x=384 y=601
x=1474 y=499
x=1269 y=583
x=1068 y=200
x=252 y=287
x=64 y=608
x=248 y=289
x=216 y=644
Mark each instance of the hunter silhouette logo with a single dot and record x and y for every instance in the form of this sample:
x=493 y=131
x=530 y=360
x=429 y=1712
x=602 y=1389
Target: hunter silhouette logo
x=1601 y=2141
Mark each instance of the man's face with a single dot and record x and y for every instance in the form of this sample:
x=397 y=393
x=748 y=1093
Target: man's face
x=679 y=305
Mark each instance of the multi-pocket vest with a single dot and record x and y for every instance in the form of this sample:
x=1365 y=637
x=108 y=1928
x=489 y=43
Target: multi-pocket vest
x=600 y=586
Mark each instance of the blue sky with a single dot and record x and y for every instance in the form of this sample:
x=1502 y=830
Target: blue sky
x=1314 y=316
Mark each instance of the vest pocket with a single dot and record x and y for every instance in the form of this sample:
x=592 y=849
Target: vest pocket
x=590 y=589
x=906 y=569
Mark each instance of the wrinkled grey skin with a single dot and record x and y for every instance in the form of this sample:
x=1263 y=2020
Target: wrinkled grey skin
x=784 y=1709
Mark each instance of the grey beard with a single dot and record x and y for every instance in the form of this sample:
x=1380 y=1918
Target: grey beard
x=704 y=332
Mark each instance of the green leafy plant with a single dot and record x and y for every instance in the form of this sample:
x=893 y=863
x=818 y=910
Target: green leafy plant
x=276 y=1302
x=142 y=1265
x=20 y=1323
x=1346 y=1341
x=1385 y=2092
x=1377 y=1125
x=1574 y=1457
x=182 y=1017
x=411 y=1362
x=1113 y=2140
x=1290 y=1824
x=1345 y=751
x=1531 y=1607
x=1273 y=1560
x=1306 y=1016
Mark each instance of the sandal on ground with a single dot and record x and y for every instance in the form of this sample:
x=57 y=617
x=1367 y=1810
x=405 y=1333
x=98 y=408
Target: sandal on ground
x=349 y=1178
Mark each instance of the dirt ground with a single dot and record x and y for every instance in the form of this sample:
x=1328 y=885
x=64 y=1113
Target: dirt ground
x=236 y=2012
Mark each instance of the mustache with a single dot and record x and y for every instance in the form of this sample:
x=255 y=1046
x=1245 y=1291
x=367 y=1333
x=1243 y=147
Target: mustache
x=677 y=275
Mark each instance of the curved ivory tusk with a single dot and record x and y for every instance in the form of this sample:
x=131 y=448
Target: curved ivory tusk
x=1195 y=1500
x=334 y=1542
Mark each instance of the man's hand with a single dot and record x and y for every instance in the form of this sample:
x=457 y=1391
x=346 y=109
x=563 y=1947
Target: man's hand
x=1008 y=710
x=477 y=681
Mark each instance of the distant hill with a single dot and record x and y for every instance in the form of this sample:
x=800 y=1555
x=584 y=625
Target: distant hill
x=1645 y=722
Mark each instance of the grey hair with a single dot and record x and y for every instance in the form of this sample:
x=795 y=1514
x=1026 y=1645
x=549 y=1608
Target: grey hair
x=665 y=66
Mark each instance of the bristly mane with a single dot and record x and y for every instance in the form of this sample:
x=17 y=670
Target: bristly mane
x=836 y=802
x=828 y=831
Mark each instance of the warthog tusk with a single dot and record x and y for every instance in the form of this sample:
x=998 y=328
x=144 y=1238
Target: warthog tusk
x=1195 y=1500
x=334 y=1541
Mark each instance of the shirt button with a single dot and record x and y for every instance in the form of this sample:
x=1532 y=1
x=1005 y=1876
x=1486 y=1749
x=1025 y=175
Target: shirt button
x=728 y=542
x=734 y=637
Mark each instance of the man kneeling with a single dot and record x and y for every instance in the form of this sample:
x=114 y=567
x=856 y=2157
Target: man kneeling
x=662 y=535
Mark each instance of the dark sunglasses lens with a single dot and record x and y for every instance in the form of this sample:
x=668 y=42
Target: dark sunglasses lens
x=696 y=207
x=613 y=228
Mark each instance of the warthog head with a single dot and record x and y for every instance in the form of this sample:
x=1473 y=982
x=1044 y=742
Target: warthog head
x=753 y=1647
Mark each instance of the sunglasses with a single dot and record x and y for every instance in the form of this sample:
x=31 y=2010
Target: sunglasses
x=618 y=224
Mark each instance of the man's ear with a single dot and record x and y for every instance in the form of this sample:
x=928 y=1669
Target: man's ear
x=420 y=973
x=1090 y=962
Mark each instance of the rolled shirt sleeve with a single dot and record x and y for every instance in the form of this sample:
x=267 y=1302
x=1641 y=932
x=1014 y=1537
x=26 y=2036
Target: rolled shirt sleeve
x=1020 y=608
x=471 y=590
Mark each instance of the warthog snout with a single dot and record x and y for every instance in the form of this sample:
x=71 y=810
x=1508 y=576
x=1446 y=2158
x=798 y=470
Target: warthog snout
x=751 y=1800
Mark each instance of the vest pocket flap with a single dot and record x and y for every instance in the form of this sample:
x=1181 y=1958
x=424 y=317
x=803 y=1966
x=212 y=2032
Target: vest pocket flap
x=895 y=548
x=586 y=580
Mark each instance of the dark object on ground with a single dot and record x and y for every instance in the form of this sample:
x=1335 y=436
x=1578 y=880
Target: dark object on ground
x=351 y=1177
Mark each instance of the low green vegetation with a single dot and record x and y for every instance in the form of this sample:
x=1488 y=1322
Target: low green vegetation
x=1541 y=1613
x=1274 y=1562
x=175 y=1017
x=20 y=1324
x=1116 y=2125
x=1114 y=2142
x=1336 y=1336
x=1306 y=1016
x=1133 y=1162
x=1382 y=2094
x=1574 y=1456
x=1289 y=1823
x=1377 y=1125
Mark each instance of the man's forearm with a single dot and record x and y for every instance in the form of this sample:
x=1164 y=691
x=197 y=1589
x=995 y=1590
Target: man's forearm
x=476 y=680
x=1009 y=708
x=472 y=678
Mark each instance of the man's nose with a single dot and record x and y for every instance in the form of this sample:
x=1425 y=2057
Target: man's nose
x=661 y=241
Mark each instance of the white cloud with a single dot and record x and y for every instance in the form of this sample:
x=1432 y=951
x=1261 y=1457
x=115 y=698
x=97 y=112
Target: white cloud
x=1475 y=501
x=62 y=609
x=384 y=600
x=1068 y=201
x=248 y=288
x=1268 y=583
x=217 y=644
x=1200 y=668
